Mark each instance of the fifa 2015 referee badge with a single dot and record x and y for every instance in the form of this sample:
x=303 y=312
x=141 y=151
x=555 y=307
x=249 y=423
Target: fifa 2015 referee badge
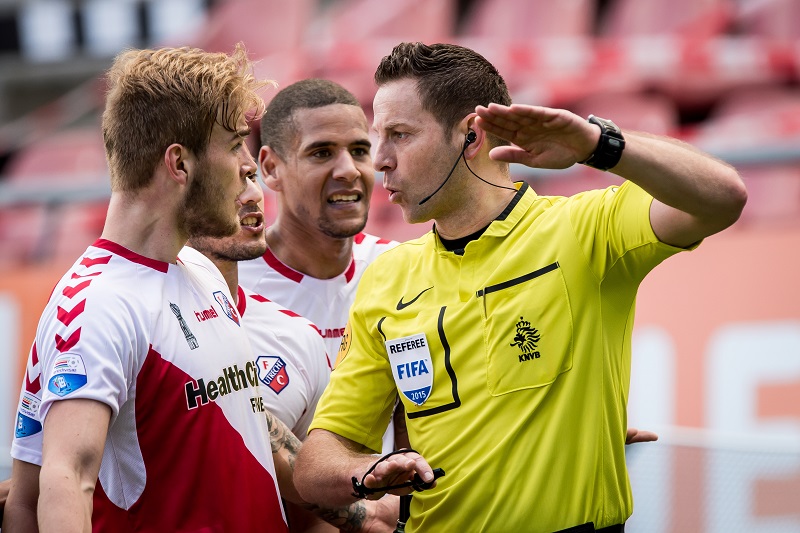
x=412 y=368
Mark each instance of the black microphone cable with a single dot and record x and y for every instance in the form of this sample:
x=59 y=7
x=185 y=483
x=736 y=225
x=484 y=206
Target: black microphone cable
x=469 y=140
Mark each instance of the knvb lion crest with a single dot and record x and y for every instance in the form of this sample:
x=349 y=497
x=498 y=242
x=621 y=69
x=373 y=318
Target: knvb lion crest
x=526 y=339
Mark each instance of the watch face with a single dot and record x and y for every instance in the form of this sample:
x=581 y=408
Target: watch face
x=607 y=124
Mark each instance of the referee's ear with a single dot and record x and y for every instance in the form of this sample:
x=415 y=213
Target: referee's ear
x=268 y=164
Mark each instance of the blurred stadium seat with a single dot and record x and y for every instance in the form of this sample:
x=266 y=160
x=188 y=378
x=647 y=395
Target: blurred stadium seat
x=766 y=114
x=21 y=229
x=76 y=226
x=38 y=233
x=408 y=20
x=526 y=20
x=265 y=26
x=351 y=37
x=773 y=195
x=771 y=19
x=653 y=113
x=70 y=156
x=684 y=18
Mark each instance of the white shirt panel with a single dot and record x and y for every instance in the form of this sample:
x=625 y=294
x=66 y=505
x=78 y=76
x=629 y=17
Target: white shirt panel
x=325 y=302
x=290 y=355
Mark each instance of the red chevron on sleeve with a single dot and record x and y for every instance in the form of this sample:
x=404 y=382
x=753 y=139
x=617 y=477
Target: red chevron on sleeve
x=75 y=275
x=89 y=262
x=33 y=386
x=69 y=292
x=66 y=317
x=289 y=312
x=64 y=345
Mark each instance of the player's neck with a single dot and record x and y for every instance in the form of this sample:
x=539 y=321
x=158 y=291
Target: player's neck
x=145 y=226
x=230 y=271
x=310 y=252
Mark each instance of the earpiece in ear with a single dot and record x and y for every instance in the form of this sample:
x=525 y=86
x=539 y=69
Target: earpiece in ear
x=471 y=137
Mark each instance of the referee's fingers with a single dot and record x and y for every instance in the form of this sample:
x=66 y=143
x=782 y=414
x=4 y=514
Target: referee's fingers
x=400 y=468
x=634 y=435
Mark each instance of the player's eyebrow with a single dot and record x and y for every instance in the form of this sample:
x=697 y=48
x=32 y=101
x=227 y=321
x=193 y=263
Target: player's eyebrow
x=242 y=132
x=324 y=144
x=390 y=125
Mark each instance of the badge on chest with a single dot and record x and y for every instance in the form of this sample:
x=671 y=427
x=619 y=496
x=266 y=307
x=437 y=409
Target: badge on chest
x=412 y=368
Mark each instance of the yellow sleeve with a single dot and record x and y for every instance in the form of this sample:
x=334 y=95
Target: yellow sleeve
x=613 y=228
x=358 y=402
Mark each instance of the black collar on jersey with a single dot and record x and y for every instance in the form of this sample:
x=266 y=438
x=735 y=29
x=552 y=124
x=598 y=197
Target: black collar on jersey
x=514 y=201
x=454 y=245
x=458 y=245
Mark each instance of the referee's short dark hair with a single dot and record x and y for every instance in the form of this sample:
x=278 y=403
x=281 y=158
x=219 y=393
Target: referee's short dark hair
x=451 y=79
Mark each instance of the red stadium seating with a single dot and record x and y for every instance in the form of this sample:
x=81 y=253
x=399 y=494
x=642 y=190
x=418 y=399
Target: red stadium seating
x=684 y=18
x=76 y=155
x=77 y=226
x=530 y=20
x=774 y=19
x=22 y=235
x=265 y=26
x=654 y=113
x=399 y=20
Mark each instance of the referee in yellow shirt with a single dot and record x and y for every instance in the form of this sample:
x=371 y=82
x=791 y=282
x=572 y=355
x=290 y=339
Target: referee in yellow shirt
x=506 y=329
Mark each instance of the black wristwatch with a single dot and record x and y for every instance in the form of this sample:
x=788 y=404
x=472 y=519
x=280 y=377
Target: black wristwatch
x=609 y=147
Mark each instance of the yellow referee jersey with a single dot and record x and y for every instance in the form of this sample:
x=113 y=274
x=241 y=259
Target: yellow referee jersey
x=512 y=361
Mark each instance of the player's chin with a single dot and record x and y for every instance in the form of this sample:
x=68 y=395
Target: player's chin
x=342 y=228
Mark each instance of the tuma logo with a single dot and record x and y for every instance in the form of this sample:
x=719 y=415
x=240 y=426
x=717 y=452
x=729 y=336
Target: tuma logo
x=526 y=339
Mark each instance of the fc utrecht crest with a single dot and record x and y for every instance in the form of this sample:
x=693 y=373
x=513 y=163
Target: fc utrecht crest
x=272 y=372
x=227 y=308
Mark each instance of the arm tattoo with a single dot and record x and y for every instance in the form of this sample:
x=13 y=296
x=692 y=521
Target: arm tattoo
x=350 y=518
x=281 y=438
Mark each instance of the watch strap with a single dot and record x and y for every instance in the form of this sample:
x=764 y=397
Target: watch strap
x=610 y=146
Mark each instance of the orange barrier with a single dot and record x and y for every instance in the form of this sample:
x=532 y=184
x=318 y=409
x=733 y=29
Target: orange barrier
x=29 y=290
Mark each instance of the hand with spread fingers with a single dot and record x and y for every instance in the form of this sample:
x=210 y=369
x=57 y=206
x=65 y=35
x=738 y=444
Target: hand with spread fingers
x=542 y=137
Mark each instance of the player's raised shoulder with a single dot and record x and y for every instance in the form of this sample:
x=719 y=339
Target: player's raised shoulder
x=368 y=247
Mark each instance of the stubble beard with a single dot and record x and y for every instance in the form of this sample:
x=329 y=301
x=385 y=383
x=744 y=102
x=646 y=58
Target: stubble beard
x=340 y=230
x=205 y=212
x=228 y=250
